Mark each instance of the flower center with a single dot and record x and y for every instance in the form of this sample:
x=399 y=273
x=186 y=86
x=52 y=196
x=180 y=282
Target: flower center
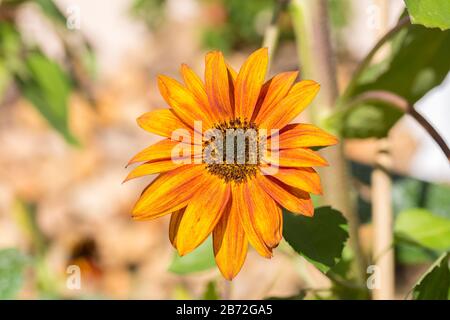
x=232 y=150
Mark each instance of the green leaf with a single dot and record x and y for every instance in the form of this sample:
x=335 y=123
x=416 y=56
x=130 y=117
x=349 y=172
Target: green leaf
x=319 y=239
x=424 y=228
x=50 y=9
x=418 y=63
x=435 y=284
x=47 y=87
x=430 y=13
x=211 y=291
x=200 y=259
x=12 y=266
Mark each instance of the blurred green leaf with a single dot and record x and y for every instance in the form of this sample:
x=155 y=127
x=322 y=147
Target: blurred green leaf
x=211 y=291
x=424 y=228
x=12 y=266
x=435 y=284
x=200 y=259
x=10 y=47
x=418 y=63
x=51 y=10
x=48 y=87
x=319 y=239
x=430 y=13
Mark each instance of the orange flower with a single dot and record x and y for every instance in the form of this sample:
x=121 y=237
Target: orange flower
x=238 y=202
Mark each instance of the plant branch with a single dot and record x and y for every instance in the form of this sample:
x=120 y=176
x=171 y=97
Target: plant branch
x=404 y=22
x=272 y=32
x=403 y=105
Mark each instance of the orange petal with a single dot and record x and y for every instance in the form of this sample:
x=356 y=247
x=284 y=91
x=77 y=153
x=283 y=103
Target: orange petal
x=169 y=192
x=175 y=219
x=305 y=179
x=162 y=122
x=230 y=243
x=272 y=92
x=149 y=168
x=298 y=98
x=196 y=86
x=295 y=201
x=218 y=86
x=183 y=102
x=241 y=200
x=202 y=214
x=301 y=135
x=166 y=150
x=298 y=158
x=249 y=82
x=264 y=214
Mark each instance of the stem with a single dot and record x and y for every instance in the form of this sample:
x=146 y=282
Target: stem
x=382 y=215
x=272 y=32
x=316 y=59
x=403 y=105
x=368 y=59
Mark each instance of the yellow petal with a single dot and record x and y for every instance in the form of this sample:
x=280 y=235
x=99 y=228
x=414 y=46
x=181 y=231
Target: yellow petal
x=272 y=92
x=196 y=86
x=183 y=102
x=169 y=192
x=264 y=214
x=298 y=158
x=305 y=179
x=249 y=82
x=230 y=243
x=298 y=98
x=175 y=219
x=218 y=86
x=293 y=200
x=166 y=150
x=241 y=200
x=149 y=168
x=202 y=214
x=162 y=122
x=301 y=135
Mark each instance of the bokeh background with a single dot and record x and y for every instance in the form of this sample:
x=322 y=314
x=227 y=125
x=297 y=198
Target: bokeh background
x=70 y=91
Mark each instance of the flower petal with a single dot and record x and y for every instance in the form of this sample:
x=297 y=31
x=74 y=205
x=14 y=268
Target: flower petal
x=183 y=102
x=249 y=82
x=149 y=168
x=298 y=158
x=162 y=122
x=175 y=219
x=169 y=192
x=263 y=214
x=230 y=243
x=217 y=80
x=300 y=135
x=241 y=200
x=272 y=92
x=293 y=200
x=196 y=86
x=298 y=98
x=306 y=179
x=166 y=150
x=202 y=214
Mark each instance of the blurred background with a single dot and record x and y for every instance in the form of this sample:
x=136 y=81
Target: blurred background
x=74 y=76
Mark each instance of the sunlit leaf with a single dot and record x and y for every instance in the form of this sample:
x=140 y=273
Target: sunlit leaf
x=430 y=13
x=319 y=239
x=211 y=291
x=12 y=266
x=425 y=228
x=435 y=284
x=200 y=259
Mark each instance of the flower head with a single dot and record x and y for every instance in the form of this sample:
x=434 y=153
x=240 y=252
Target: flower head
x=239 y=161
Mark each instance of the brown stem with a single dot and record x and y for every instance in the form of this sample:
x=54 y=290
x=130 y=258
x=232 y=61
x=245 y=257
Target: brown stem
x=403 y=105
x=311 y=27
